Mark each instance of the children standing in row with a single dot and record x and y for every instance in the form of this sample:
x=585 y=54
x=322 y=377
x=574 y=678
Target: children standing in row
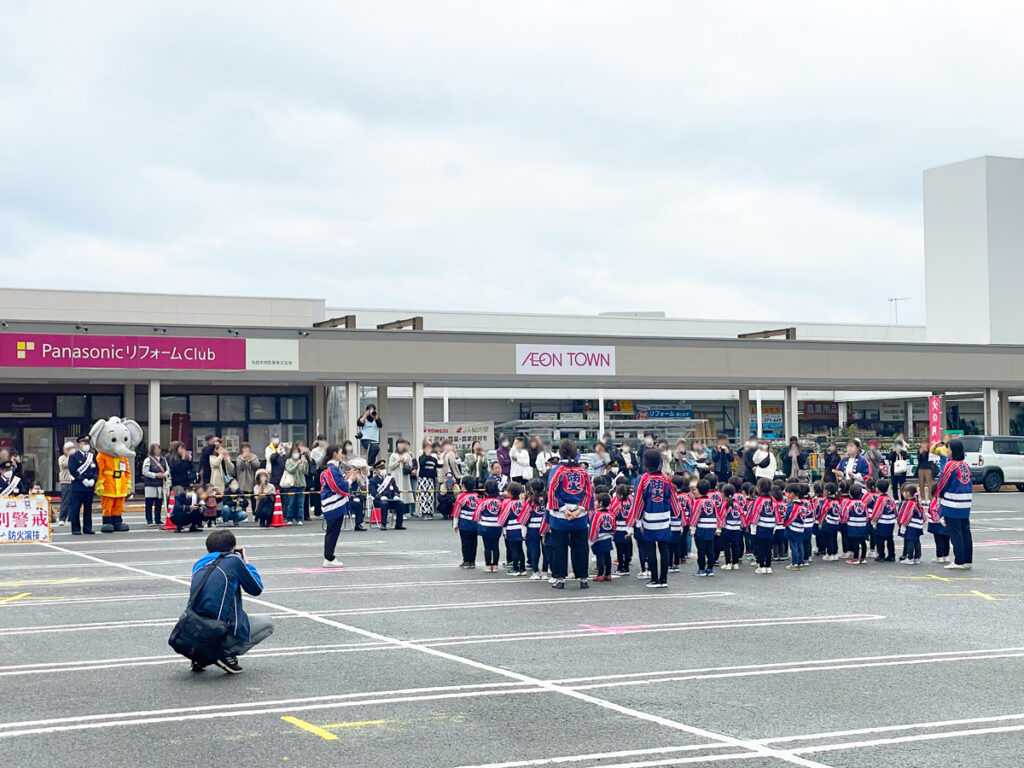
x=508 y=521
x=488 y=512
x=623 y=539
x=883 y=520
x=733 y=523
x=911 y=520
x=937 y=528
x=762 y=521
x=705 y=527
x=793 y=523
x=602 y=531
x=856 y=520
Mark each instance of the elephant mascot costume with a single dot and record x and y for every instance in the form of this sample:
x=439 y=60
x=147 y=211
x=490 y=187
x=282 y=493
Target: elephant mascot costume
x=114 y=441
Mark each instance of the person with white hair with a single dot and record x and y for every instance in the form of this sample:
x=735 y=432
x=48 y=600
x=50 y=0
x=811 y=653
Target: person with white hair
x=64 y=479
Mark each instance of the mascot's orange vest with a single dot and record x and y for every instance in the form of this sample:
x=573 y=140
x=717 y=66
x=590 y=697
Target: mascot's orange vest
x=115 y=476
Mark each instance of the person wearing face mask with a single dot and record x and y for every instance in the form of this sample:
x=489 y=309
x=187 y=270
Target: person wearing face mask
x=234 y=504
x=544 y=461
x=83 y=470
x=853 y=467
x=899 y=463
x=832 y=459
x=11 y=483
x=245 y=468
x=628 y=463
x=765 y=461
x=64 y=478
x=476 y=462
x=293 y=483
x=426 y=481
x=504 y=456
x=749 y=449
x=335 y=489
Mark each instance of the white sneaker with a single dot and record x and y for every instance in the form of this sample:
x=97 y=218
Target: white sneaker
x=955 y=567
x=967 y=566
x=535 y=577
x=332 y=563
x=60 y=523
x=759 y=570
x=290 y=523
x=768 y=569
x=298 y=522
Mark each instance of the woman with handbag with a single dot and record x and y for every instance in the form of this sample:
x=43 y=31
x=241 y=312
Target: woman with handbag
x=402 y=468
x=426 y=482
x=899 y=463
x=154 y=471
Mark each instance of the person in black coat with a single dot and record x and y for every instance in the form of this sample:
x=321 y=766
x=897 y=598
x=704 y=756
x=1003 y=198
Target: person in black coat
x=749 y=449
x=832 y=459
x=722 y=457
x=212 y=441
x=84 y=472
x=188 y=510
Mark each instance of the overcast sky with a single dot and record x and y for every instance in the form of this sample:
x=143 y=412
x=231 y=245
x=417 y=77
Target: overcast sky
x=719 y=159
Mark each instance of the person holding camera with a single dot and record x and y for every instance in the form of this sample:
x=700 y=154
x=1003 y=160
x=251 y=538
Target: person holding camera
x=402 y=468
x=205 y=471
x=218 y=579
x=293 y=483
x=369 y=433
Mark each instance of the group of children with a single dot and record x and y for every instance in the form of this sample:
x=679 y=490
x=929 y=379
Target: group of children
x=767 y=522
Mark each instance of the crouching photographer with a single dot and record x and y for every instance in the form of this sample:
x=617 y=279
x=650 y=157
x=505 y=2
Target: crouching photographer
x=214 y=630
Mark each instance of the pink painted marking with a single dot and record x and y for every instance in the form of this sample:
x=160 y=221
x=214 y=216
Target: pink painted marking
x=996 y=543
x=615 y=630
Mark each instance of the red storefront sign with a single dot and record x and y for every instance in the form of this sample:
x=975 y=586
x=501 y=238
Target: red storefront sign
x=935 y=419
x=51 y=350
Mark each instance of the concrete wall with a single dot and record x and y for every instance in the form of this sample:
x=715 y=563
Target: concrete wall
x=157 y=308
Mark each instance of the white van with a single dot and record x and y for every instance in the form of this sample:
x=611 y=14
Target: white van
x=995 y=460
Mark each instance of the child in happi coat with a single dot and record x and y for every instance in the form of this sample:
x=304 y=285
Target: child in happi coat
x=937 y=528
x=486 y=518
x=829 y=522
x=780 y=544
x=654 y=503
x=678 y=522
x=763 y=521
x=508 y=520
x=734 y=520
x=211 y=510
x=817 y=504
x=602 y=532
x=623 y=539
x=883 y=522
x=793 y=526
x=911 y=522
x=705 y=527
x=532 y=518
x=464 y=520
x=809 y=521
x=856 y=518
x=749 y=491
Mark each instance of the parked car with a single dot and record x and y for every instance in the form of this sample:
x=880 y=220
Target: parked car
x=995 y=460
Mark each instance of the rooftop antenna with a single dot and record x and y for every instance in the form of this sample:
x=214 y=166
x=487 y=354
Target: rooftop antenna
x=895 y=301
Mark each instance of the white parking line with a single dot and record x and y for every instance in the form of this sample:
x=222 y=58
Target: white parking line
x=744 y=744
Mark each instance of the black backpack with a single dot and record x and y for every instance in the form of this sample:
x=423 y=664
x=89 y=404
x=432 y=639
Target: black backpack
x=197 y=637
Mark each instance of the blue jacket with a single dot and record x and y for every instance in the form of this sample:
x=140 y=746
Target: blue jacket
x=82 y=466
x=221 y=597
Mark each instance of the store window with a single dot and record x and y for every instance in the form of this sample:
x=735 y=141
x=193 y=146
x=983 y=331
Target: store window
x=262 y=408
x=105 y=406
x=232 y=407
x=203 y=407
x=293 y=407
x=71 y=406
x=171 y=404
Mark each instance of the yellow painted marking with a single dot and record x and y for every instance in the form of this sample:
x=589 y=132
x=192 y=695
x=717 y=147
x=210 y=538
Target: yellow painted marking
x=932 y=576
x=353 y=724
x=994 y=597
x=316 y=731
x=12 y=598
x=46 y=582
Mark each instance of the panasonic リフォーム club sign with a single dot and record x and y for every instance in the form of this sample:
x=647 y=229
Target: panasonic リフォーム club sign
x=571 y=360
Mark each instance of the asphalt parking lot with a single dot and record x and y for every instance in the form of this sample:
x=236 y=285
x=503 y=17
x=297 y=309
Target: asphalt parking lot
x=402 y=659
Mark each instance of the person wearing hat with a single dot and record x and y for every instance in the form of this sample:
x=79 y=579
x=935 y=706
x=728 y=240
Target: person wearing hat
x=11 y=483
x=83 y=470
x=381 y=488
x=64 y=479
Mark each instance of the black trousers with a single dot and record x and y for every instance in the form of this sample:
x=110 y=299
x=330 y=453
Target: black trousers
x=643 y=553
x=859 y=547
x=356 y=505
x=331 y=537
x=960 y=537
x=705 y=554
x=941 y=545
x=656 y=549
x=468 y=545
x=885 y=542
x=763 y=552
x=153 y=510
x=624 y=555
x=514 y=550
x=831 y=542
x=491 y=550
x=897 y=484
x=566 y=544
x=733 y=548
x=604 y=563
x=81 y=511
x=399 y=508
x=911 y=549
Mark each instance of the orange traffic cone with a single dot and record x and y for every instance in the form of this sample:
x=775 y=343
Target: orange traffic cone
x=278 y=519
x=375 y=516
x=168 y=525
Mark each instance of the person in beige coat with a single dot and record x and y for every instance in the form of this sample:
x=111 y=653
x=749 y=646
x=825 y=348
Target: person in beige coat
x=220 y=464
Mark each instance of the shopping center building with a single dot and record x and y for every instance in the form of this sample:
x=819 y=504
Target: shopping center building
x=249 y=368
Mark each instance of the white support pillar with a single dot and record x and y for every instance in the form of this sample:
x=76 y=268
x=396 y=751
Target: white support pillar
x=153 y=420
x=1004 y=412
x=444 y=417
x=760 y=421
x=319 y=410
x=843 y=409
x=743 y=415
x=792 y=413
x=600 y=414
x=991 y=411
x=384 y=416
x=127 y=402
x=908 y=426
x=417 y=418
x=352 y=412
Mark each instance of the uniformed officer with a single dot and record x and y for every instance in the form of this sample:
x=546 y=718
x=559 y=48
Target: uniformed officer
x=83 y=469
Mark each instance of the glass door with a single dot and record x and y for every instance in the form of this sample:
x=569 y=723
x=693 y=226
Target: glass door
x=38 y=456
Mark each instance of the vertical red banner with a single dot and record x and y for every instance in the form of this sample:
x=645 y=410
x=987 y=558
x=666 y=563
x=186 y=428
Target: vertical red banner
x=935 y=419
